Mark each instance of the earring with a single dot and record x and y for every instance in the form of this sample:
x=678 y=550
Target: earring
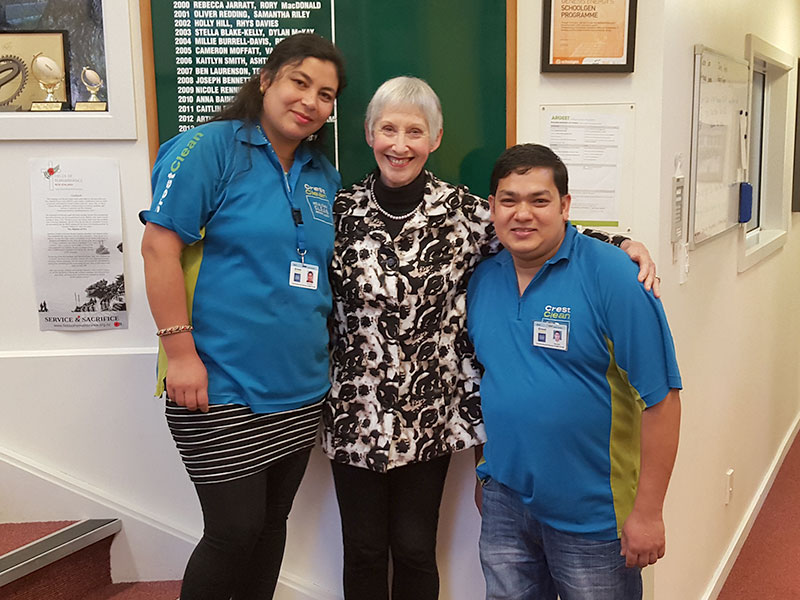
x=262 y=89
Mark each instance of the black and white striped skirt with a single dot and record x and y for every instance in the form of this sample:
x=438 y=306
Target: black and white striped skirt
x=230 y=441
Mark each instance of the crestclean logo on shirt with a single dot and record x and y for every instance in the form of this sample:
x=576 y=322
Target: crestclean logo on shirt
x=558 y=313
x=319 y=204
x=176 y=164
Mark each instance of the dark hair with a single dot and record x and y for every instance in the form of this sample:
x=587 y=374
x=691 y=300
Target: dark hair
x=522 y=158
x=248 y=103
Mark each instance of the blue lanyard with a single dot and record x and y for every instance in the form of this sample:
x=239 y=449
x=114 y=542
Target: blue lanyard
x=297 y=217
x=297 y=213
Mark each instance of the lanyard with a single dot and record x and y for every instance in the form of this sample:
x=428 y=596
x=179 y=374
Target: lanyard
x=297 y=217
x=297 y=214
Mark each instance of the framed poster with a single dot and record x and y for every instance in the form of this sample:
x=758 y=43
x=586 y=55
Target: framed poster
x=590 y=36
x=21 y=81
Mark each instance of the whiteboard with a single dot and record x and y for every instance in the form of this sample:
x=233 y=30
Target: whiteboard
x=719 y=148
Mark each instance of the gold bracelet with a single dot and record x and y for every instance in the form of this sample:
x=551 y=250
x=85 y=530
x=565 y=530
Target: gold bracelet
x=174 y=330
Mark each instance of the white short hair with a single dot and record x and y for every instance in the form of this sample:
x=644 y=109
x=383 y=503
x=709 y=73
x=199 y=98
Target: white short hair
x=405 y=92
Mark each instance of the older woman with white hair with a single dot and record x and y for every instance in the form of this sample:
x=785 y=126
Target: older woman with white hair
x=404 y=392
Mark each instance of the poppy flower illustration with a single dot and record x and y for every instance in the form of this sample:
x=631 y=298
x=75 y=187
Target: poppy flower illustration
x=50 y=171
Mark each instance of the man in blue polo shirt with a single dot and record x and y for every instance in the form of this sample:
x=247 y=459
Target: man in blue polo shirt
x=579 y=395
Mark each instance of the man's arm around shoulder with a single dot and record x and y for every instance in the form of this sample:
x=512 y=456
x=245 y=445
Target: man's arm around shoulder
x=643 y=539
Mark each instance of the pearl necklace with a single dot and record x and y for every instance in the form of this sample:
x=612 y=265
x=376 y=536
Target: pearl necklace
x=386 y=213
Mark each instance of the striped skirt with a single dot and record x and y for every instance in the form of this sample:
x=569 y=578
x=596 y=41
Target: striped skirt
x=230 y=441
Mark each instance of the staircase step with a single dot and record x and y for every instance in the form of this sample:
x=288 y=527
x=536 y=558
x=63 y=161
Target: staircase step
x=70 y=578
x=70 y=562
x=151 y=590
x=33 y=566
x=17 y=535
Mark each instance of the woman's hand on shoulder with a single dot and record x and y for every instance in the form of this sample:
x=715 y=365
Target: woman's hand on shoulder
x=639 y=254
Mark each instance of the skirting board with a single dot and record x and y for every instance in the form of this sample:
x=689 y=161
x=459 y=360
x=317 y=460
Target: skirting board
x=291 y=587
x=726 y=564
x=147 y=549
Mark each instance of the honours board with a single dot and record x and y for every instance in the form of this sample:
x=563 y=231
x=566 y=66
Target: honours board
x=205 y=49
x=208 y=49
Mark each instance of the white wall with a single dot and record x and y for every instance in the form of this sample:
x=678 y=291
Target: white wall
x=741 y=400
x=742 y=396
x=79 y=405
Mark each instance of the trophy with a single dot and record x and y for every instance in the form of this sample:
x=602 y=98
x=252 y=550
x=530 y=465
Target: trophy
x=49 y=75
x=92 y=82
x=13 y=77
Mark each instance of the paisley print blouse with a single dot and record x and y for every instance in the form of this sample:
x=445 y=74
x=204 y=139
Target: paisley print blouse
x=404 y=383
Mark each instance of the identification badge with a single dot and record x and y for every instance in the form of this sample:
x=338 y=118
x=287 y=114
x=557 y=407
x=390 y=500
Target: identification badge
x=547 y=334
x=303 y=275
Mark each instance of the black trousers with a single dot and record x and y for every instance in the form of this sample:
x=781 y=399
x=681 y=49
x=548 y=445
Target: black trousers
x=244 y=533
x=396 y=511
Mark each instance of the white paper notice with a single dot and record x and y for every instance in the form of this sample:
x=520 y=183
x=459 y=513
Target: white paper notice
x=590 y=144
x=77 y=244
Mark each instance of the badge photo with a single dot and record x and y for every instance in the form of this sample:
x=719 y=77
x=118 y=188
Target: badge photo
x=303 y=275
x=547 y=334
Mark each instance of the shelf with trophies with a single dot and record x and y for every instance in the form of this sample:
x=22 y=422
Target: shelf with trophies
x=38 y=82
x=66 y=70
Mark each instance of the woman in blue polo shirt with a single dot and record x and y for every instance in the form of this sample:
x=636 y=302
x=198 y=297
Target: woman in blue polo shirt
x=236 y=249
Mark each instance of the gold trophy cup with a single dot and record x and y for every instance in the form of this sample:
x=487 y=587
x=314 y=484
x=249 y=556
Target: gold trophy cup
x=92 y=81
x=50 y=76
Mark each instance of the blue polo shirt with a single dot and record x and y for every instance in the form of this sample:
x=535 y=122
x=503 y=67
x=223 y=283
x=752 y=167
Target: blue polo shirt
x=221 y=188
x=563 y=412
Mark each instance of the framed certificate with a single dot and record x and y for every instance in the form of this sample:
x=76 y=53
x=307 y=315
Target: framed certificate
x=588 y=36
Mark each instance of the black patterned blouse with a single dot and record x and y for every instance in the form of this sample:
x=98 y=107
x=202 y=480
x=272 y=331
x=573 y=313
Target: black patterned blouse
x=404 y=374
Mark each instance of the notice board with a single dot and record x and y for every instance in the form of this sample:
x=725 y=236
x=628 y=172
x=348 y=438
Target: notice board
x=204 y=50
x=596 y=143
x=719 y=142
